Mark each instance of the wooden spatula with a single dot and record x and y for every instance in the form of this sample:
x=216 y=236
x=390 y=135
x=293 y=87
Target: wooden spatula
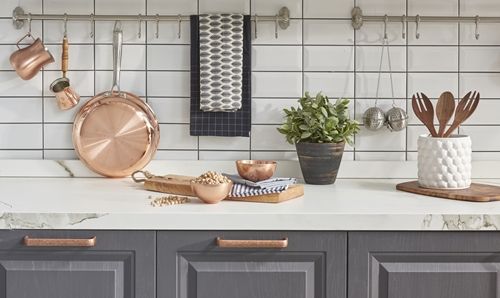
x=445 y=108
x=423 y=109
x=465 y=108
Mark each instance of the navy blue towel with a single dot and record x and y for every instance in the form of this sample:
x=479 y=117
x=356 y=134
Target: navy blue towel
x=224 y=124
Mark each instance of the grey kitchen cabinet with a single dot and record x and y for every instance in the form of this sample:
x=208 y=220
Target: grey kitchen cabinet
x=121 y=264
x=192 y=265
x=424 y=264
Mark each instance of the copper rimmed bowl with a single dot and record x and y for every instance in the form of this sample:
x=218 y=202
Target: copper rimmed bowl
x=211 y=193
x=256 y=170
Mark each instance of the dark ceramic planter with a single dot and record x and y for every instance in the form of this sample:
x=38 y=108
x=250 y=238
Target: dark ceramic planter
x=320 y=162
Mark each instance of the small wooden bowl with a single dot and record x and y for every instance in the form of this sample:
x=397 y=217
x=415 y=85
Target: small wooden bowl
x=211 y=193
x=256 y=170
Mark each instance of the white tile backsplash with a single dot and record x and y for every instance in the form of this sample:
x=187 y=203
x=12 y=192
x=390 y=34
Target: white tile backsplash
x=318 y=52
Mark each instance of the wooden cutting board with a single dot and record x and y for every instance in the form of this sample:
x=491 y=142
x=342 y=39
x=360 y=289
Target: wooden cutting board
x=181 y=185
x=475 y=193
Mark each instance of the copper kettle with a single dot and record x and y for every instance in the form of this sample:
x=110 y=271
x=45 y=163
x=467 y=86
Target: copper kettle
x=28 y=61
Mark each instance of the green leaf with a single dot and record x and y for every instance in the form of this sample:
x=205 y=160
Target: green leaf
x=305 y=135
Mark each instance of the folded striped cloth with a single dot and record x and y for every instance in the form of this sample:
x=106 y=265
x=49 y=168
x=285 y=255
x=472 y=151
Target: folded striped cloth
x=241 y=190
x=264 y=184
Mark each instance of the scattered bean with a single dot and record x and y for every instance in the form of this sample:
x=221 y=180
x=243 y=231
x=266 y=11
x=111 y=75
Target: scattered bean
x=168 y=200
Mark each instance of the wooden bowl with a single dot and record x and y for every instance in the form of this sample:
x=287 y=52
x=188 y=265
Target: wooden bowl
x=256 y=170
x=211 y=193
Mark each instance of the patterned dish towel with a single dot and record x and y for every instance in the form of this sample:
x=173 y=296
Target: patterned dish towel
x=223 y=124
x=221 y=62
x=264 y=184
x=240 y=190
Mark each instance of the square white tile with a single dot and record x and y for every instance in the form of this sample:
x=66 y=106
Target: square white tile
x=485 y=83
x=176 y=154
x=366 y=85
x=266 y=137
x=169 y=57
x=327 y=8
x=63 y=6
x=226 y=143
x=479 y=59
x=432 y=58
x=432 y=84
x=59 y=154
x=368 y=58
x=133 y=57
x=328 y=58
x=488 y=34
x=174 y=84
x=380 y=140
x=21 y=136
x=20 y=110
x=224 y=155
x=482 y=137
x=433 y=8
x=120 y=6
x=486 y=113
x=176 y=136
x=21 y=154
x=276 y=84
x=388 y=156
x=58 y=136
x=12 y=85
x=276 y=58
x=171 y=110
x=172 y=7
x=274 y=155
x=269 y=110
x=334 y=85
x=328 y=32
x=479 y=7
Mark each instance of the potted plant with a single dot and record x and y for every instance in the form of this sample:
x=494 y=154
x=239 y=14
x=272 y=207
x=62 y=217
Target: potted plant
x=319 y=129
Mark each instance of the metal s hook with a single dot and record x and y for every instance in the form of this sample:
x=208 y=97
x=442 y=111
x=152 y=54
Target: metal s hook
x=157 y=33
x=417 y=34
x=92 y=25
x=476 y=34
x=179 y=21
x=276 y=24
x=403 y=23
x=255 y=20
x=386 y=19
x=65 y=24
x=139 y=18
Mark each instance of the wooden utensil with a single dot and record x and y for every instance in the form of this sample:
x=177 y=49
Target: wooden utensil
x=465 y=108
x=475 y=193
x=423 y=109
x=445 y=108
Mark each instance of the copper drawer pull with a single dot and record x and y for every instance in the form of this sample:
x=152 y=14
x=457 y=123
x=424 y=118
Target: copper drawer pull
x=282 y=243
x=90 y=242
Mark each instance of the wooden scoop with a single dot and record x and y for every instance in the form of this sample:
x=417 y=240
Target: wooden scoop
x=444 y=110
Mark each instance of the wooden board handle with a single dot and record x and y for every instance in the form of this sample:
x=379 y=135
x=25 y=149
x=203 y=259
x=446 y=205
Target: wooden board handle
x=281 y=243
x=51 y=242
x=64 y=58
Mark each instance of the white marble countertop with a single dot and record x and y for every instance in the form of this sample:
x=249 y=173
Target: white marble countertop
x=51 y=200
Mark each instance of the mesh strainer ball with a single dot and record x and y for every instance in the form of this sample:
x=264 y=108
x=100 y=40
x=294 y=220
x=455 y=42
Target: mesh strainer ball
x=374 y=118
x=397 y=119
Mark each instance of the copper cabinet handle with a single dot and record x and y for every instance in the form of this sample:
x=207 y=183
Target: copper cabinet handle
x=282 y=243
x=52 y=242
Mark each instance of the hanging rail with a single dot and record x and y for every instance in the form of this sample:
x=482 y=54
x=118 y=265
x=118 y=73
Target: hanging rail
x=19 y=17
x=358 y=19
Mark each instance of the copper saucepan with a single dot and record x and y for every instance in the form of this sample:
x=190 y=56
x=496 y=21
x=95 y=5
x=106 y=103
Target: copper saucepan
x=116 y=133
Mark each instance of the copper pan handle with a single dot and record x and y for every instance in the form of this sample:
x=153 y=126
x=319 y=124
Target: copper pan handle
x=227 y=243
x=117 y=55
x=52 y=242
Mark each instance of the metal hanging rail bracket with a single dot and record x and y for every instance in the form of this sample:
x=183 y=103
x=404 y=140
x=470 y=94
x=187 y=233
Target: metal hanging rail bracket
x=19 y=17
x=358 y=19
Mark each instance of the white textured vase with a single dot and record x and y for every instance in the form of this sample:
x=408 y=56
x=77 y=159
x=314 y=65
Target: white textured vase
x=444 y=163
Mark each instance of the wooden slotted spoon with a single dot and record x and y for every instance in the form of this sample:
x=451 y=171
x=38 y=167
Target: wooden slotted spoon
x=423 y=109
x=445 y=108
x=465 y=108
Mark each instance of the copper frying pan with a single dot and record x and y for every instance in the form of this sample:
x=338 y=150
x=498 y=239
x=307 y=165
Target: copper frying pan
x=116 y=133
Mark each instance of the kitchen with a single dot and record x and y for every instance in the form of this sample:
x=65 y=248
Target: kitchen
x=69 y=231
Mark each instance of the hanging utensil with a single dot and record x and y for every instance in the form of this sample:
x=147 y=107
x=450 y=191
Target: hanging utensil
x=466 y=106
x=423 y=109
x=65 y=95
x=445 y=108
x=116 y=133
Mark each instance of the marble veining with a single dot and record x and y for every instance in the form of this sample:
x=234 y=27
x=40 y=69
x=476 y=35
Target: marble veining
x=463 y=222
x=44 y=220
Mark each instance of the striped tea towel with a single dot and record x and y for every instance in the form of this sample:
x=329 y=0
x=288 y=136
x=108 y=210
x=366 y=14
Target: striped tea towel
x=264 y=184
x=240 y=190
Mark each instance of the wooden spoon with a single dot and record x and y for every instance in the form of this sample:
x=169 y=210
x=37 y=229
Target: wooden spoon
x=465 y=108
x=444 y=111
x=423 y=109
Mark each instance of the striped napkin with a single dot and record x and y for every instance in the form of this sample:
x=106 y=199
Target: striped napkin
x=241 y=190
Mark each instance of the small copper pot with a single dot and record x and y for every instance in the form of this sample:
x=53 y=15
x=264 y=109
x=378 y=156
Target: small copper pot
x=28 y=61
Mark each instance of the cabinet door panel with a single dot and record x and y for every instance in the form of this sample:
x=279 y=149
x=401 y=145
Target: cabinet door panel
x=418 y=264
x=312 y=266
x=120 y=265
